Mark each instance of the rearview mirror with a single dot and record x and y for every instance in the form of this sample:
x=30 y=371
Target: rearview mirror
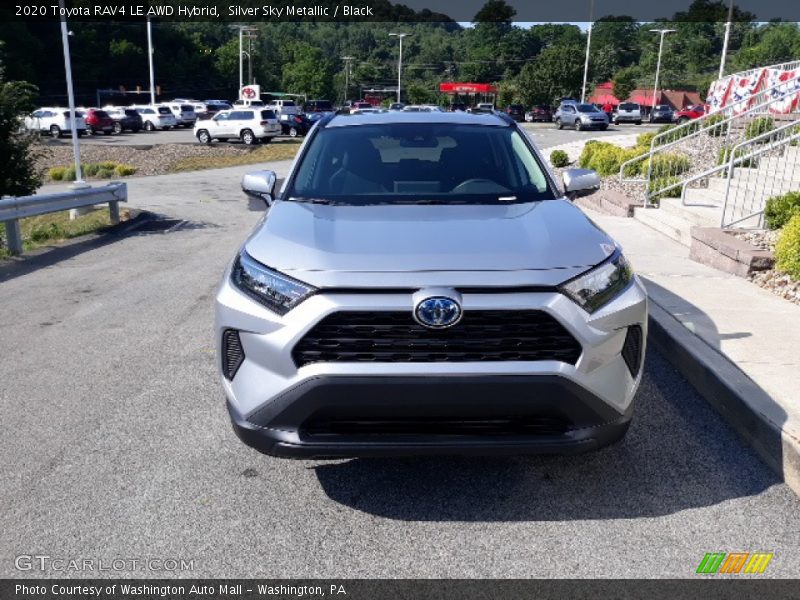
x=260 y=184
x=579 y=180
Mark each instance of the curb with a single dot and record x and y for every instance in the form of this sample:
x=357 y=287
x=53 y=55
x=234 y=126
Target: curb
x=736 y=397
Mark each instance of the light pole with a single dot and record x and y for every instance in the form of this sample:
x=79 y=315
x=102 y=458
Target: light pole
x=76 y=147
x=150 y=59
x=725 y=41
x=346 y=60
x=245 y=29
x=663 y=32
x=400 y=36
x=588 y=45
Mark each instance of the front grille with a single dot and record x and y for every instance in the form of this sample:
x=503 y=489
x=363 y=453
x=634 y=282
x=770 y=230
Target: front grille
x=543 y=425
x=394 y=336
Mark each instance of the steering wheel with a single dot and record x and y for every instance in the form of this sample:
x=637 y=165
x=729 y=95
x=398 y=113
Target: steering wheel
x=480 y=183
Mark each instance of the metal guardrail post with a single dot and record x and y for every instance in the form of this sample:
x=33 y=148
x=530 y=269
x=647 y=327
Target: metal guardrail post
x=13 y=237
x=113 y=211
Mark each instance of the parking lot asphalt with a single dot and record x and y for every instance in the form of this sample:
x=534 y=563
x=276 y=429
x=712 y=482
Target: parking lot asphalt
x=117 y=444
x=545 y=134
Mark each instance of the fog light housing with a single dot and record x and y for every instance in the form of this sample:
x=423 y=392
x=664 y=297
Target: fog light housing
x=232 y=353
x=632 y=349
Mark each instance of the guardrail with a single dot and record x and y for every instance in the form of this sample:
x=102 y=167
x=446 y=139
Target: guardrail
x=14 y=209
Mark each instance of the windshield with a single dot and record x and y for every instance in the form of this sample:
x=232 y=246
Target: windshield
x=629 y=106
x=430 y=163
x=587 y=108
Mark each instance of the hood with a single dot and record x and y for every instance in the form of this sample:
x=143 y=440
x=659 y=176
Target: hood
x=554 y=234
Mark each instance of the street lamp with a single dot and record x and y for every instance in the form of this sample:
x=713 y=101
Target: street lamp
x=400 y=59
x=76 y=147
x=245 y=29
x=346 y=60
x=150 y=60
x=588 y=45
x=725 y=40
x=663 y=32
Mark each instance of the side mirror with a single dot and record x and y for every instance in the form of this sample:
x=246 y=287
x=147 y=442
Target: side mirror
x=579 y=181
x=260 y=184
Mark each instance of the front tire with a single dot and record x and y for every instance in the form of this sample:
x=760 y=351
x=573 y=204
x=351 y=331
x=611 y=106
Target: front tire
x=638 y=122
x=248 y=137
x=559 y=124
x=117 y=128
x=682 y=120
x=293 y=132
x=55 y=131
x=148 y=126
x=578 y=126
x=203 y=137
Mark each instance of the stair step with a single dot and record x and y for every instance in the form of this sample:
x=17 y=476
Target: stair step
x=672 y=226
x=705 y=196
x=702 y=216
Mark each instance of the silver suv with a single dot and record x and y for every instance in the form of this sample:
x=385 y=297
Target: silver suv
x=421 y=285
x=580 y=116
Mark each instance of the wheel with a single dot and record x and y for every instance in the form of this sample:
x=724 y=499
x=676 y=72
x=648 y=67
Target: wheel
x=148 y=126
x=682 y=120
x=89 y=130
x=578 y=126
x=293 y=132
x=559 y=124
x=266 y=140
x=638 y=122
x=203 y=137
x=117 y=128
x=81 y=133
x=248 y=138
x=55 y=131
x=603 y=127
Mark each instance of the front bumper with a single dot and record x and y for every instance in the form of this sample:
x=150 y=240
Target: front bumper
x=343 y=409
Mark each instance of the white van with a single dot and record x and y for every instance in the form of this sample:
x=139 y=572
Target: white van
x=283 y=108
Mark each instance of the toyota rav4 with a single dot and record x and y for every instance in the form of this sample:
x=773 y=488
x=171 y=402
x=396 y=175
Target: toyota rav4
x=422 y=284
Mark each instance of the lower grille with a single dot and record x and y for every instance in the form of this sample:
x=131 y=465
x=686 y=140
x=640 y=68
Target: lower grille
x=436 y=427
x=394 y=336
x=632 y=349
x=232 y=353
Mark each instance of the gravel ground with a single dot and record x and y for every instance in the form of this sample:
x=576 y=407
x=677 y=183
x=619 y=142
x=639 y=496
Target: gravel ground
x=773 y=280
x=148 y=159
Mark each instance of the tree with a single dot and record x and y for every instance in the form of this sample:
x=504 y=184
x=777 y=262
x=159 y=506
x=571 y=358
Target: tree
x=18 y=173
x=555 y=74
x=625 y=82
x=307 y=71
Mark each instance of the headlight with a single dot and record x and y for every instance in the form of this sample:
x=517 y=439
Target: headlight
x=599 y=286
x=272 y=289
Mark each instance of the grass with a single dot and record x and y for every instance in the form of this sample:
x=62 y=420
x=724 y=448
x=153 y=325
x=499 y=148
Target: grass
x=275 y=151
x=45 y=229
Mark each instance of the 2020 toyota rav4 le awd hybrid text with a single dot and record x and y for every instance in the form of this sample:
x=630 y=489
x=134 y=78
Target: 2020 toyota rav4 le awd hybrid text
x=421 y=285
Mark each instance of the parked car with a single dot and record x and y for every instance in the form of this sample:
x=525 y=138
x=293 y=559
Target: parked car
x=580 y=116
x=396 y=106
x=283 y=108
x=439 y=365
x=416 y=108
x=359 y=106
x=208 y=108
x=540 y=113
x=516 y=112
x=250 y=125
x=184 y=113
x=54 y=121
x=628 y=112
x=249 y=104
x=693 y=111
x=155 y=117
x=483 y=108
x=97 y=121
x=296 y=125
x=125 y=119
x=316 y=106
x=661 y=113
x=458 y=107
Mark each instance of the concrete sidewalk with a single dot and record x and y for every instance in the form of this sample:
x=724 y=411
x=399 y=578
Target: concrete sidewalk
x=738 y=344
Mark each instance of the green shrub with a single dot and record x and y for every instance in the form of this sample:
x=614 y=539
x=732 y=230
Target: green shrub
x=91 y=169
x=712 y=125
x=125 y=170
x=724 y=155
x=107 y=164
x=676 y=132
x=666 y=165
x=633 y=169
x=607 y=160
x=660 y=183
x=559 y=158
x=588 y=150
x=56 y=173
x=105 y=173
x=44 y=232
x=644 y=139
x=787 y=248
x=69 y=174
x=779 y=210
x=758 y=126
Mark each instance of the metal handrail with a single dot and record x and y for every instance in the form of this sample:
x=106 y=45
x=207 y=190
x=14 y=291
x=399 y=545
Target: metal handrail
x=699 y=122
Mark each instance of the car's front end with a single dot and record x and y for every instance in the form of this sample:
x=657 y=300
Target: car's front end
x=391 y=326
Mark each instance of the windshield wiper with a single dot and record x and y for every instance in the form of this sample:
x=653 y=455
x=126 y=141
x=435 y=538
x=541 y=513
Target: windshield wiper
x=311 y=200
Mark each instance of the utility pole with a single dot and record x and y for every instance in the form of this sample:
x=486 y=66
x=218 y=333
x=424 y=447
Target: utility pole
x=150 y=58
x=347 y=64
x=725 y=41
x=663 y=32
x=400 y=36
x=588 y=46
x=245 y=31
